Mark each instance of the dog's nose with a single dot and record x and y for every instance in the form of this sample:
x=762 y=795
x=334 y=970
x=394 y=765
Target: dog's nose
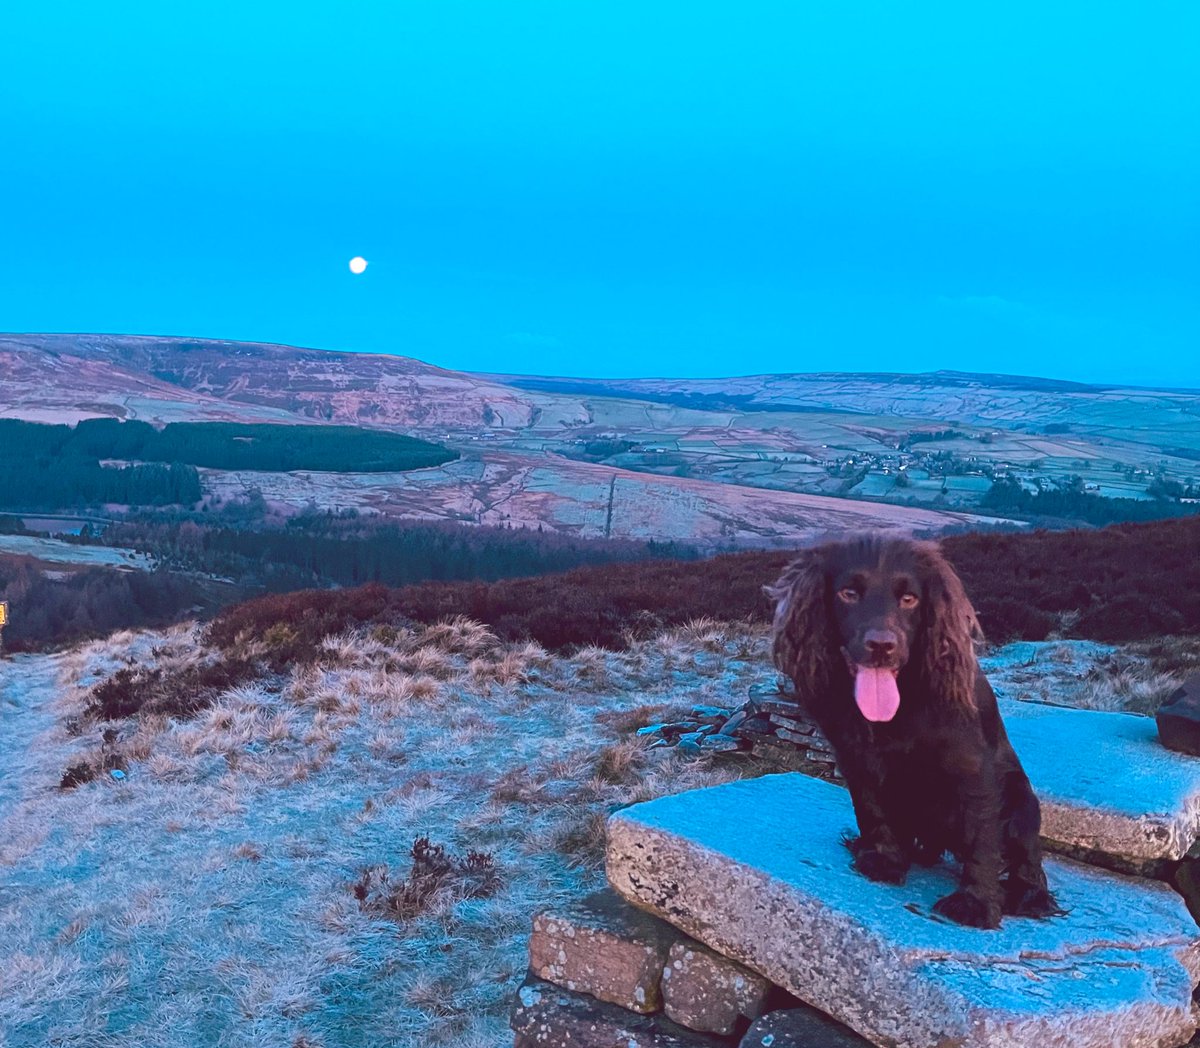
x=880 y=643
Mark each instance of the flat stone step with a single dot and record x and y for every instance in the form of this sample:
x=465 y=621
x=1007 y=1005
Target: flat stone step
x=1107 y=786
x=756 y=871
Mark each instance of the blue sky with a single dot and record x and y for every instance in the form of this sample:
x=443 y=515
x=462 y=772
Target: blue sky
x=611 y=188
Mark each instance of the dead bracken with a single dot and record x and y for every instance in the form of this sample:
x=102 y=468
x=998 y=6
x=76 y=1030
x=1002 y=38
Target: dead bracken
x=437 y=879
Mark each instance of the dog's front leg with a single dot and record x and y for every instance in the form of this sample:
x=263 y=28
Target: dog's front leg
x=977 y=901
x=878 y=855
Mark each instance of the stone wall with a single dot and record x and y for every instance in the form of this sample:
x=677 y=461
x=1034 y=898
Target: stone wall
x=603 y=974
x=781 y=914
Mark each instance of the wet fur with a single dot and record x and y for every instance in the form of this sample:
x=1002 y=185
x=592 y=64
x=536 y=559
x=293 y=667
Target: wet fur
x=941 y=776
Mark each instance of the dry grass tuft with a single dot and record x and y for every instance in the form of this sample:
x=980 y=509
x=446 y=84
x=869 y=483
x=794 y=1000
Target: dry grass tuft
x=626 y=721
x=460 y=636
x=1179 y=656
x=621 y=762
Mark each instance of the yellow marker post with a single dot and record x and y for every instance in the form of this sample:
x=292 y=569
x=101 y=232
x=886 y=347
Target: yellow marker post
x=3 y=614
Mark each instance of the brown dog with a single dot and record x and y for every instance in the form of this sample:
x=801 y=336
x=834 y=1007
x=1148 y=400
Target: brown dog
x=879 y=638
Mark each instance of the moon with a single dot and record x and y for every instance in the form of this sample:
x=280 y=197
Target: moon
x=358 y=264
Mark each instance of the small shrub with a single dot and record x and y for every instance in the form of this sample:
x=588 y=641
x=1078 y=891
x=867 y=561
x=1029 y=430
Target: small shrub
x=109 y=757
x=437 y=879
x=1006 y=620
x=182 y=693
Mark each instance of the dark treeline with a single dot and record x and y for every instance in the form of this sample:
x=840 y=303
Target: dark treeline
x=226 y=445
x=347 y=550
x=50 y=467
x=69 y=483
x=1073 y=503
x=926 y=436
x=239 y=544
x=48 y=611
x=60 y=467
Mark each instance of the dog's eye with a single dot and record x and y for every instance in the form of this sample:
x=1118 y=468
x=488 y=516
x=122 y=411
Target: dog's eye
x=849 y=595
x=909 y=600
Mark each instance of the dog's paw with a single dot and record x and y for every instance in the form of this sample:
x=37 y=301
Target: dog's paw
x=1023 y=900
x=928 y=854
x=964 y=907
x=879 y=866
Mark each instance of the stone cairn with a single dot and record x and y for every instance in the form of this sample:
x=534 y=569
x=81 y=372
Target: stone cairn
x=770 y=725
x=607 y=974
x=604 y=974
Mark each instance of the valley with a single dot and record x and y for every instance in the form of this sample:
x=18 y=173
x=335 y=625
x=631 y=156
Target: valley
x=759 y=461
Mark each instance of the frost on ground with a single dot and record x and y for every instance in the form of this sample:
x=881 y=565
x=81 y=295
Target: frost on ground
x=1087 y=675
x=59 y=551
x=253 y=872
x=229 y=888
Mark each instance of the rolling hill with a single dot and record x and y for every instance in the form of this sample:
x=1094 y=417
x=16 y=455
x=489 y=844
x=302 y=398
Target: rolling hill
x=762 y=461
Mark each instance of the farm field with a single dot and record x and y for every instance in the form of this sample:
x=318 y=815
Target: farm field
x=56 y=551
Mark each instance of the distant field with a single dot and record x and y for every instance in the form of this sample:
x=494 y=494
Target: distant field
x=56 y=551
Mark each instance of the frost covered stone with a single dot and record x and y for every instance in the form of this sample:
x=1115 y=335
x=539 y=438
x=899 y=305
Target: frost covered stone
x=604 y=947
x=1105 y=782
x=704 y=991
x=757 y=872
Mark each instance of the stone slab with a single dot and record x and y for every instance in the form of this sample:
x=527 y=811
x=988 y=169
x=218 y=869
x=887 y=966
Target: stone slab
x=547 y=1016
x=704 y=991
x=756 y=871
x=1106 y=783
x=602 y=946
x=1178 y=718
x=800 y=1028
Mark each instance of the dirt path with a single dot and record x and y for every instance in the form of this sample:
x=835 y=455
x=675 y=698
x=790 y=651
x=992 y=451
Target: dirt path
x=28 y=684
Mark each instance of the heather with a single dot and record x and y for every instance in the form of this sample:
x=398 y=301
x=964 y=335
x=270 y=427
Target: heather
x=1126 y=582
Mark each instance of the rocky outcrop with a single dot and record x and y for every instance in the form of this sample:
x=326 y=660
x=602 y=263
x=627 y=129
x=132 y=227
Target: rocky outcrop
x=1122 y=796
x=549 y=1016
x=799 y=1028
x=602 y=976
x=1179 y=718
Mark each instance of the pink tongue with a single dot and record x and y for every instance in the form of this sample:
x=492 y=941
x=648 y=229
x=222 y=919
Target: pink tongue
x=876 y=693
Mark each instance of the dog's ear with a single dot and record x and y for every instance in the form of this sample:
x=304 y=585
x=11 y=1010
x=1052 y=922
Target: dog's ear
x=801 y=644
x=950 y=631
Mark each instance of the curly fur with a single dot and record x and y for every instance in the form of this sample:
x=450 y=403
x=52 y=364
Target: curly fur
x=804 y=642
x=939 y=774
